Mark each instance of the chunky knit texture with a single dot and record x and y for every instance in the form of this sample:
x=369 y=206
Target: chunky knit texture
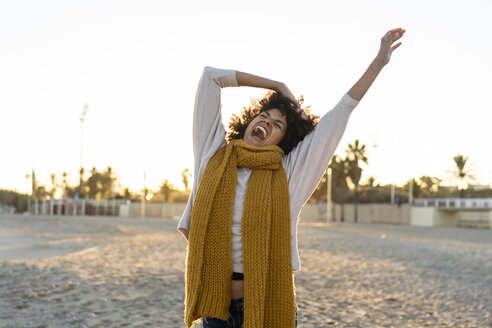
x=266 y=232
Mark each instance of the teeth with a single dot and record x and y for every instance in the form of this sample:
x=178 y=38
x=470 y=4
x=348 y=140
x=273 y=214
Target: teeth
x=262 y=129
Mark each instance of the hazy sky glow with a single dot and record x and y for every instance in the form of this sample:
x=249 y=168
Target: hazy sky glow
x=137 y=64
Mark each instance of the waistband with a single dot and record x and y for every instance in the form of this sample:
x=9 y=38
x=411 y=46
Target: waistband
x=237 y=276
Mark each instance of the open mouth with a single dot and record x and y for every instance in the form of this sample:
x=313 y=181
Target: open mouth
x=259 y=132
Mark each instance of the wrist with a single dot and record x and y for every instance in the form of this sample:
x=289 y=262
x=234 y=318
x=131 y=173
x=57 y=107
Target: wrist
x=379 y=62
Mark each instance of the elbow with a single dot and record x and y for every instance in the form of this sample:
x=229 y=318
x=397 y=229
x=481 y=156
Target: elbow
x=208 y=75
x=207 y=70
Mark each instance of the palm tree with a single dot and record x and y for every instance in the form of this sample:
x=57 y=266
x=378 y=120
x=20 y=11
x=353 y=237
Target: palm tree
x=355 y=153
x=65 y=183
x=416 y=187
x=127 y=194
x=102 y=182
x=53 y=185
x=186 y=176
x=81 y=181
x=371 y=182
x=107 y=180
x=41 y=192
x=463 y=175
x=339 y=182
x=166 y=189
x=94 y=182
x=429 y=184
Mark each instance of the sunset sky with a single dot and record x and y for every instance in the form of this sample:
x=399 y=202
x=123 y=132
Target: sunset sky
x=137 y=65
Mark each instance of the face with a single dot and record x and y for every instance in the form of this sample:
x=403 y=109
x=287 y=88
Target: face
x=266 y=129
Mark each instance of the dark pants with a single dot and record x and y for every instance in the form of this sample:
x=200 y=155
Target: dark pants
x=235 y=320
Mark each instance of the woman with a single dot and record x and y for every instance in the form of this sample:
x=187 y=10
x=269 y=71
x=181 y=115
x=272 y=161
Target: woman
x=249 y=188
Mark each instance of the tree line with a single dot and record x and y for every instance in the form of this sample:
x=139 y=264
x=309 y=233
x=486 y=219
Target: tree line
x=102 y=184
x=99 y=183
x=346 y=174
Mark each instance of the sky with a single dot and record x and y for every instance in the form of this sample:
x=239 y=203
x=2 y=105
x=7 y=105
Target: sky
x=137 y=65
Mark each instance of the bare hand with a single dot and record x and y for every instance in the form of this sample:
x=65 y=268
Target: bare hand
x=284 y=91
x=387 y=44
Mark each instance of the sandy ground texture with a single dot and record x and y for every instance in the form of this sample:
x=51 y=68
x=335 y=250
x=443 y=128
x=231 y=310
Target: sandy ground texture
x=129 y=272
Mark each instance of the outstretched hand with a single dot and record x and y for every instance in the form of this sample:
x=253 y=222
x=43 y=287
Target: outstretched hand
x=383 y=57
x=388 y=44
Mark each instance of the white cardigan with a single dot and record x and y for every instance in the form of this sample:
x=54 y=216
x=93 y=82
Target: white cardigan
x=304 y=165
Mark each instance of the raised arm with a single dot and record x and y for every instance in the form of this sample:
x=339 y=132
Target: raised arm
x=250 y=80
x=383 y=57
x=306 y=164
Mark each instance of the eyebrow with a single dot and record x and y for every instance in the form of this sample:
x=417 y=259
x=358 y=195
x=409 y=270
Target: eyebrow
x=276 y=121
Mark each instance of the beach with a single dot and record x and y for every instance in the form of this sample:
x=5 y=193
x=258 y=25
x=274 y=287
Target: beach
x=64 y=271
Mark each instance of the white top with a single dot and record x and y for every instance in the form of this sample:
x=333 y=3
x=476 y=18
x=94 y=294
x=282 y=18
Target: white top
x=304 y=165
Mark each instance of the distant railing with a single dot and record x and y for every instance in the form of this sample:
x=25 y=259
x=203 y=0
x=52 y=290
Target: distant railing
x=455 y=203
x=80 y=207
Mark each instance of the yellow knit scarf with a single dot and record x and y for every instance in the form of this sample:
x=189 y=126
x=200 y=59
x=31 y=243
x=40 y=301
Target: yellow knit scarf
x=266 y=233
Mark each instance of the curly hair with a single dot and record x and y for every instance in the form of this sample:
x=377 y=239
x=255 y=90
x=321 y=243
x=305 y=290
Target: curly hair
x=297 y=126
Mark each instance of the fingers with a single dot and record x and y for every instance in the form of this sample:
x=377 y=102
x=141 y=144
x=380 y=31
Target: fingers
x=396 y=37
x=395 y=46
x=388 y=43
x=391 y=37
x=292 y=99
x=296 y=103
x=304 y=116
x=287 y=93
x=395 y=30
x=394 y=34
x=298 y=106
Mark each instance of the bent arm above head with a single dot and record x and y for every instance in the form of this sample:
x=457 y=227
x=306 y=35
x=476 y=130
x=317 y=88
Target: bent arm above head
x=207 y=126
x=255 y=81
x=383 y=57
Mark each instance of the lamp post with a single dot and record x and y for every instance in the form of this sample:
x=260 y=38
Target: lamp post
x=393 y=194
x=328 y=195
x=82 y=118
x=410 y=192
x=142 y=203
x=28 y=196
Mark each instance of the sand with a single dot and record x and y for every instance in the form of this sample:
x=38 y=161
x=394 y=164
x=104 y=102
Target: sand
x=129 y=272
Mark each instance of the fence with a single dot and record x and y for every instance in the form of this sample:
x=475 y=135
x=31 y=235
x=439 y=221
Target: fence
x=458 y=203
x=368 y=213
x=468 y=212
x=81 y=207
